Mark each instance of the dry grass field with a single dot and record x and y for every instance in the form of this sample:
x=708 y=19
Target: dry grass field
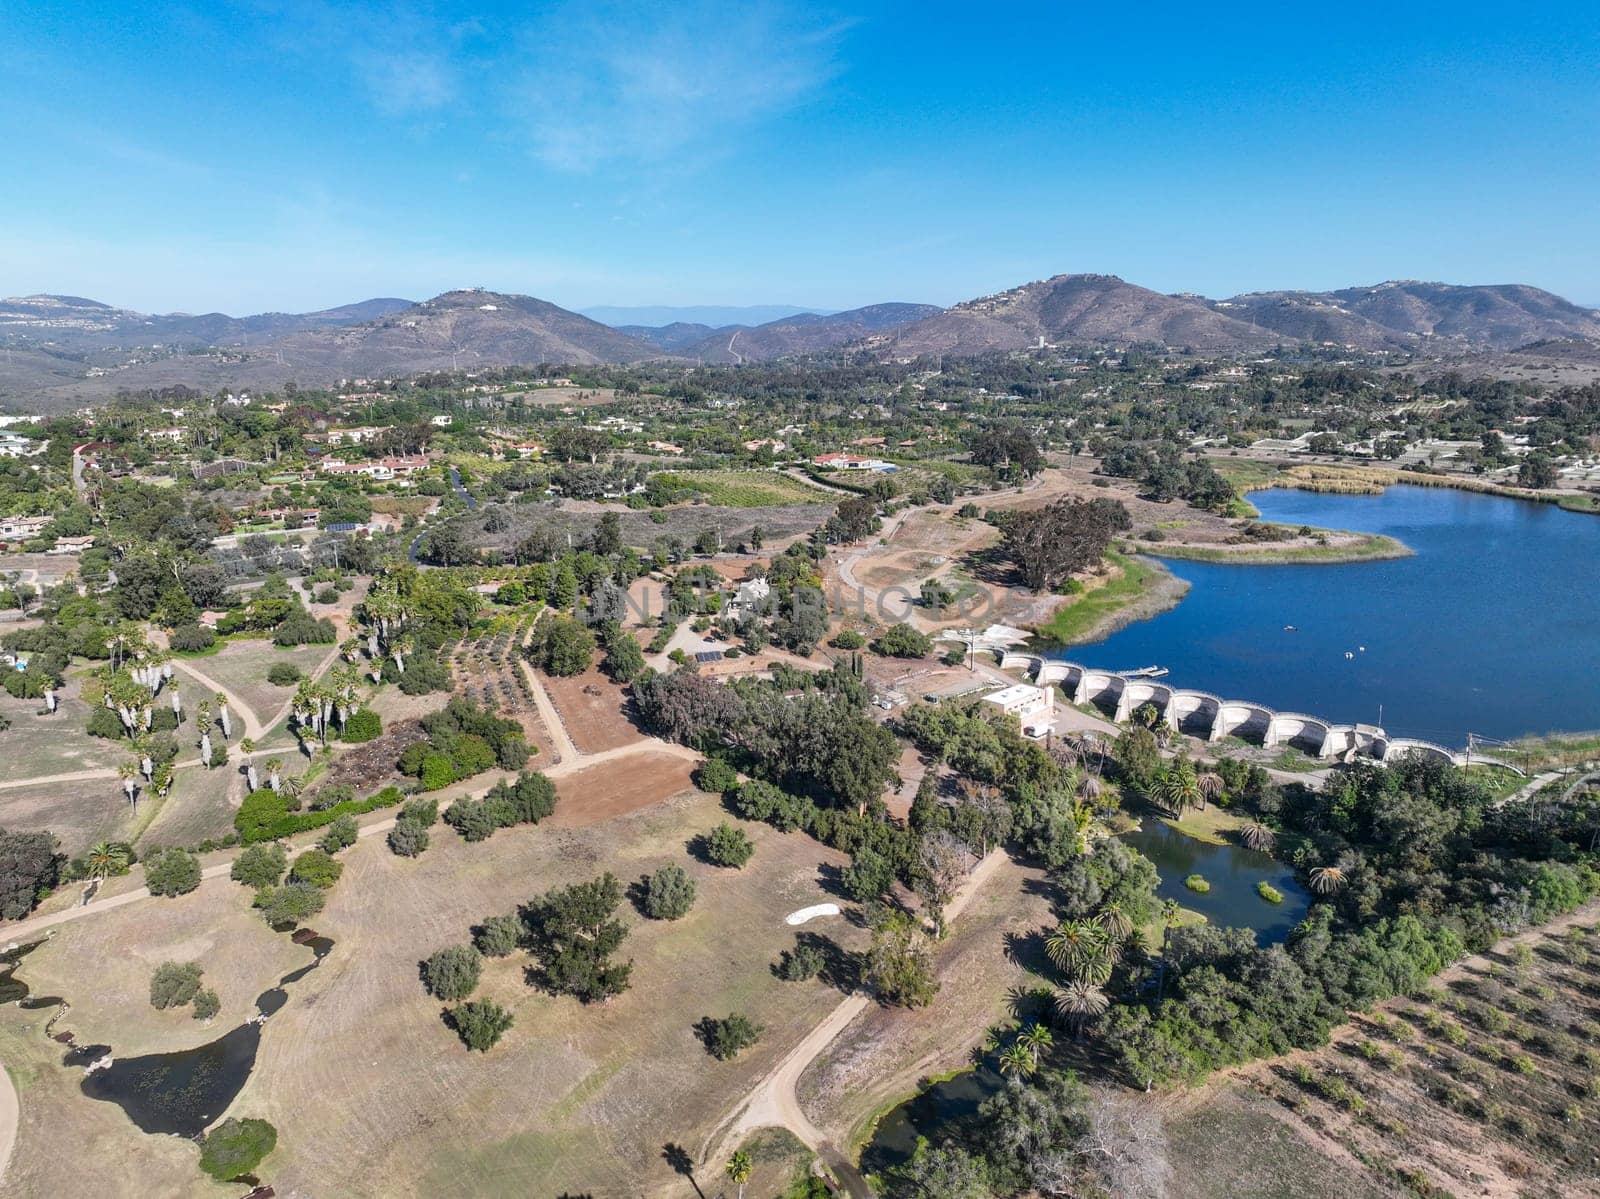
x=241 y=666
x=371 y=1093
x=41 y=745
x=79 y=813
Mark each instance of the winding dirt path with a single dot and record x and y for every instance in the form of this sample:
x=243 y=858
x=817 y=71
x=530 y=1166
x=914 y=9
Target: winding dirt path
x=774 y=1101
x=253 y=727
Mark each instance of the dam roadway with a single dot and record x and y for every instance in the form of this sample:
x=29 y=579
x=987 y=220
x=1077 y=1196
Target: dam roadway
x=1213 y=718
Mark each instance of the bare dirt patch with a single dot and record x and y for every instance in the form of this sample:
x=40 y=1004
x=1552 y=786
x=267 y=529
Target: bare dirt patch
x=611 y=789
x=591 y=706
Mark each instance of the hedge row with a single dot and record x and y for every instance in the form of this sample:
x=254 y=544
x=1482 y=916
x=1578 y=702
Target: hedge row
x=265 y=816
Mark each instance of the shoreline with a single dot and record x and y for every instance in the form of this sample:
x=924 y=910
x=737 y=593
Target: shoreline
x=1371 y=547
x=1159 y=591
x=1357 y=479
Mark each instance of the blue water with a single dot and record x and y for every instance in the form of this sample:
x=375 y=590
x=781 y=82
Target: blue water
x=1233 y=872
x=1491 y=627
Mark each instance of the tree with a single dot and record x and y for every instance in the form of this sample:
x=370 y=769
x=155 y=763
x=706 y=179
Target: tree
x=903 y=641
x=236 y=1147
x=668 y=893
x=1325 y=880
x=727 y=1038
x=106 y=858
x=899 y=968
x=1537 y=470
x=260 y=866
x=738 y=1169
x=480 y=1024
x=365 y=725
x=561 y=646
x=174 y=984
x=1080 y=1002
x=945 y=861
x=573 y=933
x=1048 y=544
x=341 y=834
x=1178 y=788
x=727 y=845
x=317 y=868
x=206 y=1004
x=408 y=838
x=172 y=872
x=452 y=973
x=290 y=904
x=29 y=866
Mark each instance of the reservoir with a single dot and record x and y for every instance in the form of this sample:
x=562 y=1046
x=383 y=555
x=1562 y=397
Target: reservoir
x=1492 y=626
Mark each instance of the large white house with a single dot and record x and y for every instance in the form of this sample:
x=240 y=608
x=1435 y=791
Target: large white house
x=1032 y=706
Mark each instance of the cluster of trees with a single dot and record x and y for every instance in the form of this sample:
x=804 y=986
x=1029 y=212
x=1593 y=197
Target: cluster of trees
x=1049 y=544
x=818 y=742
x=177 y=984
x=463 y=740
x=527 y=801
x=561 y=646
x=1413 y=865
x=1010 y=452
x=30 y=866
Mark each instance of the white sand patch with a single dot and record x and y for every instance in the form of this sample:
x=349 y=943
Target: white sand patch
x=811 y=913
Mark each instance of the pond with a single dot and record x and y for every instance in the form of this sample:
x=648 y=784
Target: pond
x=182 y=1092
x=1488 y=628
x=1233 y=872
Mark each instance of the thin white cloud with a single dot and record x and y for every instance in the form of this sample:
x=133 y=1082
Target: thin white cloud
x=613 y=83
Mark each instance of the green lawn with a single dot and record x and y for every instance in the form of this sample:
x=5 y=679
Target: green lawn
x=1071 y=622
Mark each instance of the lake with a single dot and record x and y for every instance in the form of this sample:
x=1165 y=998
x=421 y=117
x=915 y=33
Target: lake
x=1490 y=627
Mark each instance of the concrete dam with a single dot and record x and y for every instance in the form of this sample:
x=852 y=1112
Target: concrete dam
x=1213 y=718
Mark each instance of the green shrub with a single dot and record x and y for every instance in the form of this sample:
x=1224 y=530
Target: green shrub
x=365 y=725
x=1268 y=892
x=903 y=641
x=174 y=984
x=191 y=638
x=206 y=1004
x=341 y=834
x=266 y=816
x=799 y=964
x=236 y=1147
x=726 y=845
x=849 y=639
x=480 y=1024
x=316 y=867
x=453 y=972
x=260 y=866
x=725 y=1038
x=1197 y=884
x=408 y=839
x=172 y=872
x=668 y=893
x=497 y=936
x=290 y=904
x=283 y=674
x=716 y=776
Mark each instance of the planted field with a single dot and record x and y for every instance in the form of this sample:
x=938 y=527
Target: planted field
x=591 y=707
x=747 y=488
x=1486 y=1084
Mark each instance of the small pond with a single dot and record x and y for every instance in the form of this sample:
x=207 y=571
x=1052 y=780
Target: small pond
x=1233 y=872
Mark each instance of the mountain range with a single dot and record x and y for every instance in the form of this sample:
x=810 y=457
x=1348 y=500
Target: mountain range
x=63 y=349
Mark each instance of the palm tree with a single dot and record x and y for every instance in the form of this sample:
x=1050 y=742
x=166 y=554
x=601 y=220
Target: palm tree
x=1178 y=789
x=1038 y=1039
x=1147 y=714
x=223 y=716
x=107 y=858
x=1073 y=942
x=247 y=746
x=1325 y=880
x=128 y=772
x=1117 y=923
x=274 y=773
x=1080 y=1002
x=1257 y=836
x=202 y=722
x=1017 y=1058
x=1211 y=787
x=1090 y=787
x=738 y=1169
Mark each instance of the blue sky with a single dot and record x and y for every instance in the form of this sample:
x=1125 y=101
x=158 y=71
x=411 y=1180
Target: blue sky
x=276 y=154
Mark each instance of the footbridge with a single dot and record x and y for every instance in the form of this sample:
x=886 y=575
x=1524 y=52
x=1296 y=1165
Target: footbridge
x=1212 y=718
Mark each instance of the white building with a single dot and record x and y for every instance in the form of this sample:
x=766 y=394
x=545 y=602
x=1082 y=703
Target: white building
x=1032 y=706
